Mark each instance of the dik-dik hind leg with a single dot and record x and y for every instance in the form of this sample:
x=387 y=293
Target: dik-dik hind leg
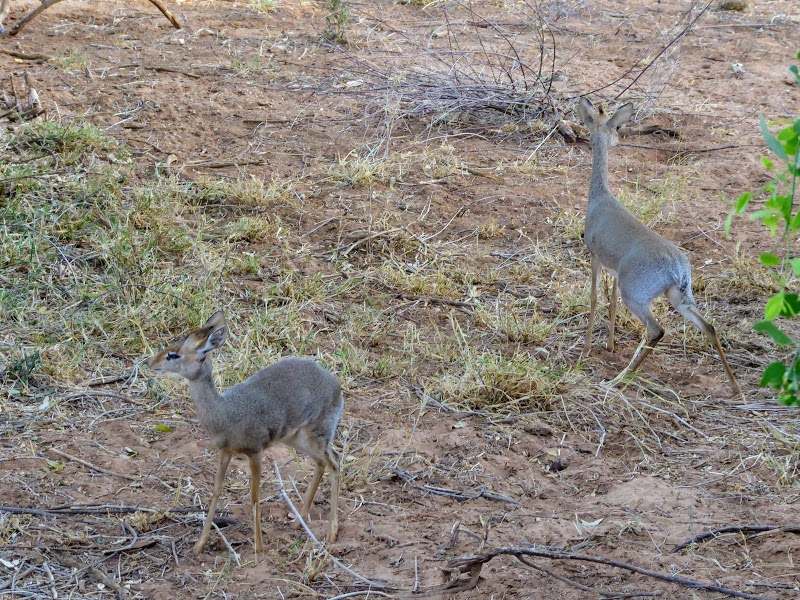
x=612 y=315
x=330 y=459
x=597 y=268
x=324 y=456
x=691 y=314
x=333 y=463
x=255 y=492
x=654 y=334
x=222 y=469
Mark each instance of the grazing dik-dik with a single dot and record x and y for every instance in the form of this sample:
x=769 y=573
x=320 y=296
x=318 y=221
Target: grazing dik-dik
x=294 y=401
x=643 y=264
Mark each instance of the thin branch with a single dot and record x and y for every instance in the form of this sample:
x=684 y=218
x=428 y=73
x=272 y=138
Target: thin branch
x=314 y=539
x=165 y=11
x=92 y=466
x=122 y=593
x=580 y=586
x=470 y=562
x=735 y=529
x=25 y=55
x=48 y=3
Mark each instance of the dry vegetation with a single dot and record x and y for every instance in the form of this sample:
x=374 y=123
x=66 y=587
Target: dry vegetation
x=393 y=192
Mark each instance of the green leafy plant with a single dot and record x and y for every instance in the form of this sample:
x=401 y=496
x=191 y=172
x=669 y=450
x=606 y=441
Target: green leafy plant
x=778 y=214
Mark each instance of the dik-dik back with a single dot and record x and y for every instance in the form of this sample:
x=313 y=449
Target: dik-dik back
x=274 y=403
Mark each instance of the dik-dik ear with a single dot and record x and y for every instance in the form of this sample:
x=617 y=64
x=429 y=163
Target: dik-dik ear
x=622 y=116
x=219 y=331
x=216 y=320
x=586 y=111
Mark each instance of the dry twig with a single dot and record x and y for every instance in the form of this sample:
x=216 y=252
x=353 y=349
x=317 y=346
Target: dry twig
x=735 y=529
x=470 y=563
x=19 y=25
x=92 y=466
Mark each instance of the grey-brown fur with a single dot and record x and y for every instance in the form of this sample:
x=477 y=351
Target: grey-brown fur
x=644 y=264
x=5 y=6
x=294 y=401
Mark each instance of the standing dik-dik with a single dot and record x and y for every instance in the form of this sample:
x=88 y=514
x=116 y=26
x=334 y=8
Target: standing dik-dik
x=644 y=264
x=294 y=401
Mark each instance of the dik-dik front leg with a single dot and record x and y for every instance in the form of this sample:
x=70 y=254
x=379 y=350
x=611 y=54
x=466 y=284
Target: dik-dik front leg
x=222 y=469
x=597 y=269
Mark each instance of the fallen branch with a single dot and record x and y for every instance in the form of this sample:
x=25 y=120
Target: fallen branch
x=735 y=529
x=122 y=593
x=469 y=563
x=580 y=586
x=455 y=494
x=165 y=11
x=26 y=55
x=437 y=300
x=314 y=539
x=93 y=466
x=346 y=251
x=453 y=586
x=48 y=3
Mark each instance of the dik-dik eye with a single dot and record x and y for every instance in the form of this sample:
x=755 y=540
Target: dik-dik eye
x=173 y=356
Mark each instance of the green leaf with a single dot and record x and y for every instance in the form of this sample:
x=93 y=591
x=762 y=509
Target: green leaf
x=742 y=201
x=795 y=262
x=772 y=330
x=795 y=224
x=769 y=260
x=772 y=223
x=55 y=466
x=791 y=305
x=761 y=214
x=773 y=376
x=768 y=164
x=773 y=307
x=786 y=135
x=772 y=142
x=164 y=428
x=728 y=222
x=789 y=399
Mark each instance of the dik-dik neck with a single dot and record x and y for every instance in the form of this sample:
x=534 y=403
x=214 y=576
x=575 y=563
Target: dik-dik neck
x=203 y=391
x=598 y=182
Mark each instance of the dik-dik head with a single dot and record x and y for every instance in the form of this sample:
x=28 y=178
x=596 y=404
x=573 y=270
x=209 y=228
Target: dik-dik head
x=186 y=355
x=600 y=124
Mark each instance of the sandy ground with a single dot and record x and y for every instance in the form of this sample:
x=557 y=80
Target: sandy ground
x=242 y=91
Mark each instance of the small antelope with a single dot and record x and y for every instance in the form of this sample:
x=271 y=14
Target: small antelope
x=294 y=401
x=642 y=263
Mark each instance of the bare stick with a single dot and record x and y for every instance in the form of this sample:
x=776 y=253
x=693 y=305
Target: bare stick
x=233 y=552
x=25 y=55
x=580 y=586
x=359 y=593
x=165 y=11
x=470 y=562
x=102 y=577
x=52 y=579
x=311 y=535
x=48 y=3
x=734 y=529
x=24 y=20
x=16 y=578
x=92 y=466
